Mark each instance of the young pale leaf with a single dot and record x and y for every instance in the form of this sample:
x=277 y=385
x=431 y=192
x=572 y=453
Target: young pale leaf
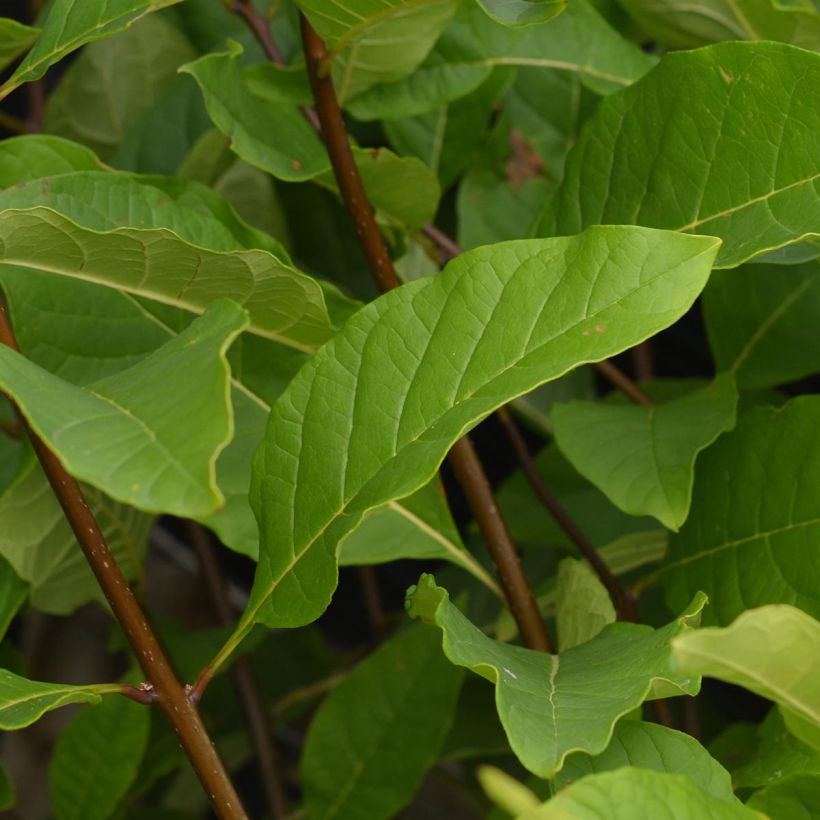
x=582 y=604
x=522 y=12
x=551 y=706
x=371 y=416
x=115 y=82
x=372 y=43
x=677 y=24
x=24 y=701
x=774 y=651
x=755 y=514
x=96 y=759
x=283 y=304
x=15 y=38
x=643 y=458
x=793 y=798
x=378 y=732
x=35 y=156
x=151 y=456
x=655 y=747
x=509 y=794
x=676 y=150
x=69 y=25
x=38 y=542
x=13 y=593
x=768 y=336
x=629 y=792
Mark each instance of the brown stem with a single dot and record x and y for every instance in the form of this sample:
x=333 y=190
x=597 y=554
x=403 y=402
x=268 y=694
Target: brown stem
x=643 y=359
x=462 y=456
x=620 y=601
x=448 y=249
x=13 y=429
x=244 y=679
x=171 y=697
x=619 y=379
x=372 y=600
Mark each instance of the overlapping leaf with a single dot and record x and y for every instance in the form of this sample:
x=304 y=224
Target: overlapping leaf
x=773 y=651
x=551 y=706
x=749 y=539
x=766 y=336
x=34 y=156
x=794 y=797
x=643 y=458
x=24 y=701
x=70 y=25
x=15 y=38
x=371 y=416
x=522 y=12
x=582 y=604
x=379 y=731
x=716 y=141
x=150 y=459
x=13 y=592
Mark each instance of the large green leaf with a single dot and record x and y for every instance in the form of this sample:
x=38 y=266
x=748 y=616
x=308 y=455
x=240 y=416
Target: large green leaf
x=677 y=24
x=655 y=747
x=551 y=706
x=96 y=759
x=37 y=541
x=582 y=604
x=522 y=12
x=13 y=593
x=24 y=701
x=242 y=105
x=643 y=458
x=787 y=672
x=378 y=732
x=283 y=304
x=371 y=416
x=676 y=150
x=630 y=792
x=70 y=25
x=151 y=457
x=15 y=38
x=115 y=82
x=376 y=41
x=34 y=156
x=755 y=516
x=794 y=798
x=767 y=337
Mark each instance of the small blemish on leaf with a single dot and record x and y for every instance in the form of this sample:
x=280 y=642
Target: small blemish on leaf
x=728 y=77
x=295 y=164
x=599 y=328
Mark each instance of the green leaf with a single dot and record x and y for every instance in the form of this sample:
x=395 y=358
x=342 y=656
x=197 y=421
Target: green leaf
x=13 y=593
x=8 y=797
x=24 y=701
x=15 y=38
x=522 y=12
x=115 y=82
x=582 y=606
x=380 y=730
x=747 y=539
x=38 y=542
x=413 y=371
x=776 y=754
x=375 y=42
x=96 y=759
x=34 y=156
x=793 y=798
x=160 y=446
x=760 y=322
x=788 y=672
x=69 y=26
x=551 y=706
x=705 y=171
x=620 y=794
x=677 y=24
x=643 y=458
x=283 y=304
x=655 y=747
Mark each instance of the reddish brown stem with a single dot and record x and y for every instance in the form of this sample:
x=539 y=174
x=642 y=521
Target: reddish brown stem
x=462 y=456
x=643 y=360
x=171 y=697
x=622 y=603
x=619 y=379
x=244 y=679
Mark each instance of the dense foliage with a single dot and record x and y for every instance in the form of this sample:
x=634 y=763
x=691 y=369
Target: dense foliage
x=203 y=348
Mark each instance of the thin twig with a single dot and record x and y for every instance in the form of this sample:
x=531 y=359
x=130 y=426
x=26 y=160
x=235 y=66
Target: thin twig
x=643 y=360
x=447 y=248
x=171 y=697
x=244 y=679
x=619 y=379
x=621 y=602
x=372 y=600
x=462 y=455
